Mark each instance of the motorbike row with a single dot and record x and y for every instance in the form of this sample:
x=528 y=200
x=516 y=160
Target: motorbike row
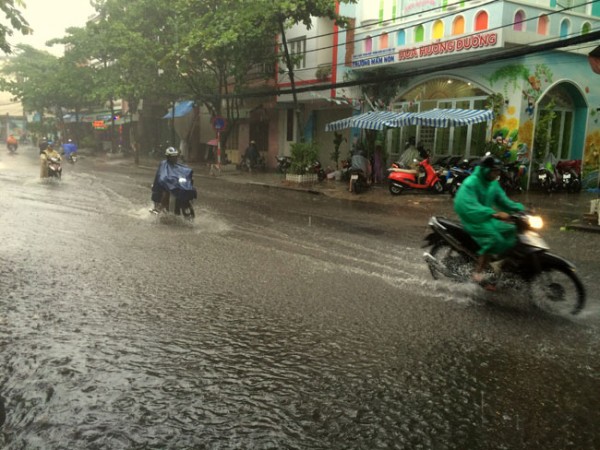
x=447 y=174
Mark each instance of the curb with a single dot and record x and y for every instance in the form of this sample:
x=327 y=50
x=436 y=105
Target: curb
x=586 y=228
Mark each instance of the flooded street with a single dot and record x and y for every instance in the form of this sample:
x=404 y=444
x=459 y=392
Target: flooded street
x=277 y=320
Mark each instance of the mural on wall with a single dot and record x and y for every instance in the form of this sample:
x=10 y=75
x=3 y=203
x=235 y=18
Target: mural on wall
x=532 y=84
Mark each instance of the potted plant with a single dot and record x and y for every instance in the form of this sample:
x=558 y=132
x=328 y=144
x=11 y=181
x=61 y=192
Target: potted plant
x=304 y=154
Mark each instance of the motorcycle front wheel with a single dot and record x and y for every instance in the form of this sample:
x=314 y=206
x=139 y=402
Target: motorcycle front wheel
x=395 y=189
x=558 y=290
x=454 y=265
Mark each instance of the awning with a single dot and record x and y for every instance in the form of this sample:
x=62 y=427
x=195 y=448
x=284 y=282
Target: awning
x=372 y=120
x=451 y=117
x=181 y=109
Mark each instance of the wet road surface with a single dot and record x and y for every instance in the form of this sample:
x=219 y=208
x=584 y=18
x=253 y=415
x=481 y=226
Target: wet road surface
x=278 y=320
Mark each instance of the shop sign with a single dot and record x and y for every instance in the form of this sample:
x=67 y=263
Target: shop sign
x=440 y=48
x=375 y=58
x=473 y=42
x=99 y=124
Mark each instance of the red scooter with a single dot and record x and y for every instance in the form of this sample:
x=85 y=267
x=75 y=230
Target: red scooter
x=425 y=179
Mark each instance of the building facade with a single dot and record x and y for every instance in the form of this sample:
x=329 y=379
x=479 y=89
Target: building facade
x=447 y=55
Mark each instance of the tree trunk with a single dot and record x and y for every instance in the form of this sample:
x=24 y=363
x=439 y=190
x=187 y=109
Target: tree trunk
x=288 y=62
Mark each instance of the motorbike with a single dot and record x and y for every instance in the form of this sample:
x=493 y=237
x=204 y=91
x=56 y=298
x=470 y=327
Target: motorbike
x=570 y=175
x=316 y=167
x=173 y=190
x=358 y=181
x=283 y=163
x=457 y=174
x=12 y=148
x=72 y=158
x=54 y=168
x=550 y=279
x=510 y=179
x=425 y=179
x=547 y=179
x=246 y=166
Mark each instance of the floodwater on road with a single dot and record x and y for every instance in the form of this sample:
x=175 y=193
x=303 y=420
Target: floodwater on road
x=268 y=323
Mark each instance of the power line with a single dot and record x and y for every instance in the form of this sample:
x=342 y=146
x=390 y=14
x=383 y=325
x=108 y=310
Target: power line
x=467 y=62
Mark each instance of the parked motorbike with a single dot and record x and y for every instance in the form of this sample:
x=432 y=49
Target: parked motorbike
x=425 y=179
x=547 y=179
x=457 y=174
x=550 y=279
x=510 y=179
x=358 y=181
x=283 y=163
x=570 y=175
x=54 y=168
x=316 y=167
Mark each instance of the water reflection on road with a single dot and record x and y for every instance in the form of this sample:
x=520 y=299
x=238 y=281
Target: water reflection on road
x=252 y=329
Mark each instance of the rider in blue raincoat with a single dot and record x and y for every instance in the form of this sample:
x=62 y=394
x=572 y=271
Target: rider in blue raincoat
x=475 y=204
x=174 y=178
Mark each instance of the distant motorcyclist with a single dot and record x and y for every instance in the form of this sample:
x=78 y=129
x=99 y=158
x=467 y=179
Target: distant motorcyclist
x=69 y=149
x=45 y=156
x=474 y=203
x=166 y=180
x=43 y=144
x=11 y=143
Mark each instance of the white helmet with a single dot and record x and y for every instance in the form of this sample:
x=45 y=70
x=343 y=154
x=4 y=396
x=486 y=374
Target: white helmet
x=171 y=151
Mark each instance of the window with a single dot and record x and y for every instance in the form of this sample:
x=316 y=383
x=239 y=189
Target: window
x=542 y=26
x=401 y=38
x=565 y=28
x=383 y=41
x=419 y=33
x=458 y=25
x=519 y=23
x=368 y=44
x=438 y=29
x=481 y=21
x=586 y=28
x=297 y=49
x=578 y=6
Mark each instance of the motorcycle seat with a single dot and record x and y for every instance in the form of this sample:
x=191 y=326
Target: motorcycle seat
x=408 y=171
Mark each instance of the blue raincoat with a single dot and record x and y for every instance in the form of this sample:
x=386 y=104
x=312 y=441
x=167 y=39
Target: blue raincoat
x=475 y=202
x=175 y=178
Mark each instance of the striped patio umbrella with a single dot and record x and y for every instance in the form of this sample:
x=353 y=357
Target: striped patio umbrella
x=451 y=117
x=372 y=120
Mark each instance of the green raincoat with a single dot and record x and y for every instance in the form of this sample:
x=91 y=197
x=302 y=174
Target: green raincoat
x=474 y=203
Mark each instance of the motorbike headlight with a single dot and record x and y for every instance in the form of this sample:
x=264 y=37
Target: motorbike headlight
x=535 y=222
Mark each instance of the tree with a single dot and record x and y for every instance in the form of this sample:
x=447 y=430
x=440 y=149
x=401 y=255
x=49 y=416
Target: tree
x=13 y=15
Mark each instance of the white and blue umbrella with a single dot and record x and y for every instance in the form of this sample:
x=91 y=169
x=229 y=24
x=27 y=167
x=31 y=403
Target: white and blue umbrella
x=372 y=120
x=452 y=117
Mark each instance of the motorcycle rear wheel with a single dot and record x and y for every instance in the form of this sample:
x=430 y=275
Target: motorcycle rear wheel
x=438 y=187
x=459 y=266
x=558 y=290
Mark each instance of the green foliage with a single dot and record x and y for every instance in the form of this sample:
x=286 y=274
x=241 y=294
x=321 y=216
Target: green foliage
x=17 y=22
x=303 y=155
x=543 y=139
x=338 y=138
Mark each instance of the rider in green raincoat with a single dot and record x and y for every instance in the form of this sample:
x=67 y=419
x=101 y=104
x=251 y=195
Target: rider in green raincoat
x=474 y=203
